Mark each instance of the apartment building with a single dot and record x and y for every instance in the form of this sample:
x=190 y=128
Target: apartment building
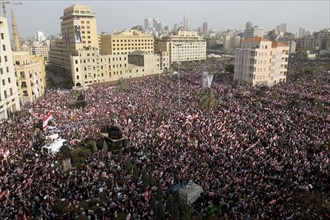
x=78 y=31
x=126 y=42
x=40 y=50
x=30 y=75
x=9 y=97
x=182 y=46
x=89 y=67
x=260 y=61
x=90 y=58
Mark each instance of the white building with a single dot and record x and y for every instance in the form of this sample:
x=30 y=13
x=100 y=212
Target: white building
x=260 y=61
x=40 y=36
x=9 y=97
x=182 y=46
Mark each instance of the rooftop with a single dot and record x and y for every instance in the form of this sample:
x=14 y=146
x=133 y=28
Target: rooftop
x=255 y=39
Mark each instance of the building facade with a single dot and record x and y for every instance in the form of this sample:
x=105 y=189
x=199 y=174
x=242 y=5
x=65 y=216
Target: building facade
x=41 y=50
x=260 y=61
x=126 y=42
x=96 y=68
x=30 y=75
x=9 y=97
x=255 y=31
x=182 y=46
x=78 y=32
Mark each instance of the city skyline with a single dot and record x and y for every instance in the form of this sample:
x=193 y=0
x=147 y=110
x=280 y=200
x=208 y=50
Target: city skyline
x=221 y=15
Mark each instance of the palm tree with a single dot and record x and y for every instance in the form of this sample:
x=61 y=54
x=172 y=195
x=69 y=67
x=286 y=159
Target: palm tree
x=208 y=101
x=121 y=86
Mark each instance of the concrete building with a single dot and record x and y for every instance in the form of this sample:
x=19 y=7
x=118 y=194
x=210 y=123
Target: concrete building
x=148 y=23
x=260 y=61
x=183 y=46
x=255 y=31
x=30 y=75
x=284 y=28
x=99 y=58
x=78 y=32
x=126 y=42
x=87 y=69
x=9 y=97
x=205 y=29
x=40 y=36
x=301 y=33
x=231 y=41
x=40 y=50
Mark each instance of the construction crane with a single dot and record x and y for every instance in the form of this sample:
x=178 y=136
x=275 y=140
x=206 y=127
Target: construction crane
x=4 y=6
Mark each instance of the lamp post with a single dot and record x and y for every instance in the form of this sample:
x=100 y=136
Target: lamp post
x=179 y=45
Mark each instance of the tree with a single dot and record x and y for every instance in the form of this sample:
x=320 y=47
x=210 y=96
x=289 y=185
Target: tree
x=175 y=213
x=105 y=146
x=177 y=199
x=199 y=217
x=121 y=85
x=159 y=194
x=169 y=204
x=120 y=155
x=151 y=180
x=145 y=178
x=135 y=174
x=208 y=101
x=230 y=68
x=160 y=214
x=128 y=165
x=318 y=105
x=187 y=216
x=92 y=145
x=153 y=205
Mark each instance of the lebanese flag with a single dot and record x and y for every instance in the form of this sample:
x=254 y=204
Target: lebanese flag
x=4 y=153
x=4 y=193
x=45 y=120
x=147 y=195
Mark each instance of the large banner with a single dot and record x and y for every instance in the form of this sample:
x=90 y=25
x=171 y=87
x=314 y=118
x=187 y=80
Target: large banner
x=77 y=30
x=207 y=79
x=35 y=85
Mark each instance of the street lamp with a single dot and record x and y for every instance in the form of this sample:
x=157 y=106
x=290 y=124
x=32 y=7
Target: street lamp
x=178 y=45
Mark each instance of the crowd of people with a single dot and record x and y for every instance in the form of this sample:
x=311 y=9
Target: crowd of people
x=255 y=156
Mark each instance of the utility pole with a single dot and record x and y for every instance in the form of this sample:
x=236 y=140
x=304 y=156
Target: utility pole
x=178 y=45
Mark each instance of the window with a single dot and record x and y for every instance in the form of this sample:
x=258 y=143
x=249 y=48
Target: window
x=2 y=36
x=4 y=47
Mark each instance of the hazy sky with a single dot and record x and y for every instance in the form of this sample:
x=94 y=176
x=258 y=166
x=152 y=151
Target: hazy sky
x=43 y=15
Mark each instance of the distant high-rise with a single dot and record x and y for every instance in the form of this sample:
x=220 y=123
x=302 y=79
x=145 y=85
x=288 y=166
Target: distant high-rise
x=301 y=33
x=248 y=25
x=185 y=22
x=205 y=28
x=148 y=23
x=284 y=27
x=40 y=36
x=255 y=31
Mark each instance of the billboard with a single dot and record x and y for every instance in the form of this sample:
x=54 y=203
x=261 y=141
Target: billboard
x=77 y=30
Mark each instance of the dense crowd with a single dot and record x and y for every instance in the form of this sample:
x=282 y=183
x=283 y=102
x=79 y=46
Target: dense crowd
x=255 y=156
